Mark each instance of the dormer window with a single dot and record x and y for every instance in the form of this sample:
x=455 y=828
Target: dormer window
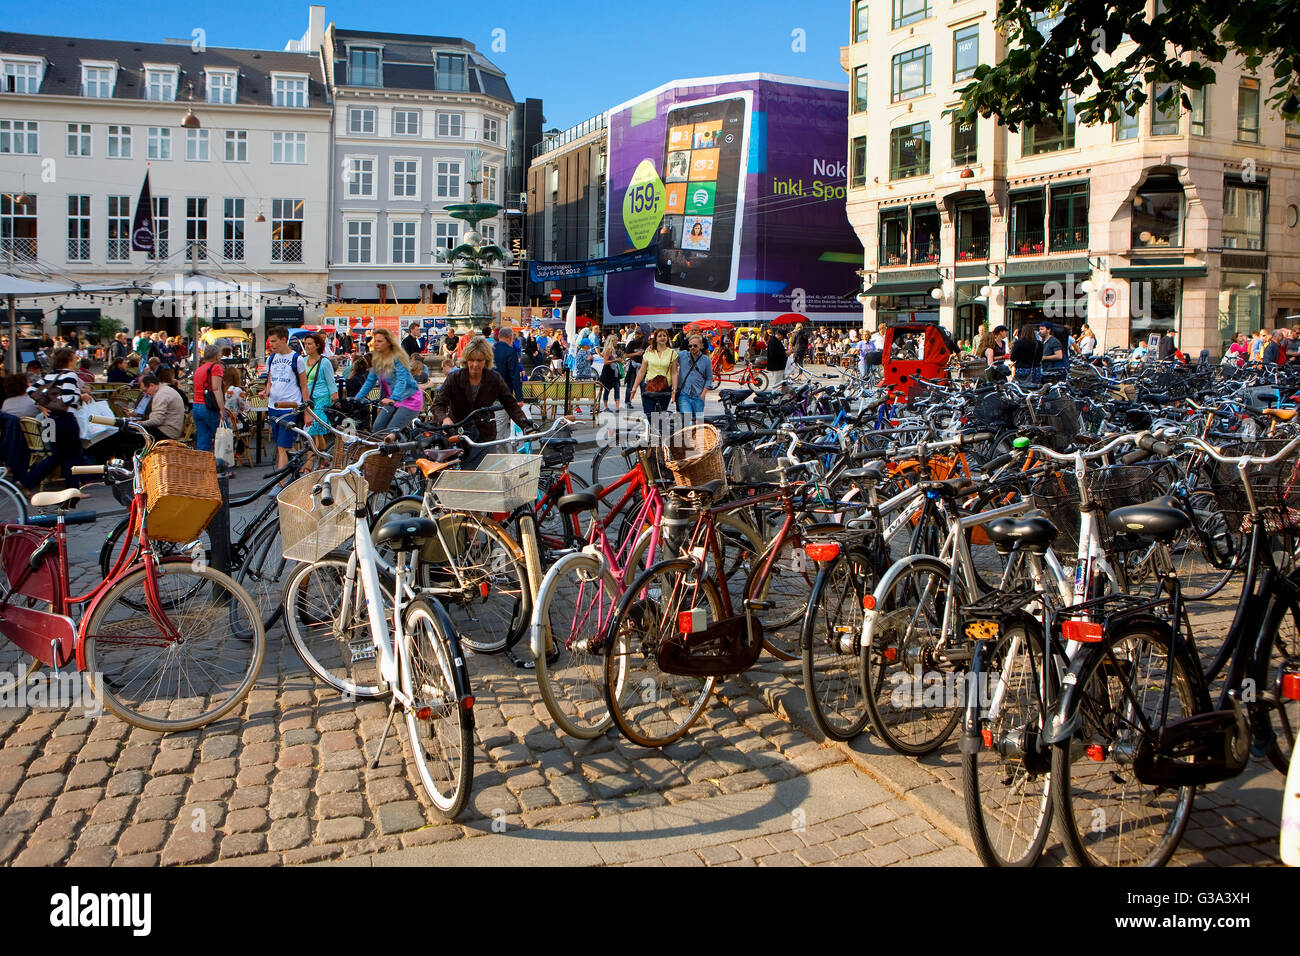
x=452 y=74
x=289 y=90
x=160 y=83
x=363 y=66
x=223 y=85
x=23 y=75
x=98 y=79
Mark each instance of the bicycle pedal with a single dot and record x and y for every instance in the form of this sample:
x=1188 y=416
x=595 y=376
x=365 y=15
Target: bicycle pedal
x=362 y=651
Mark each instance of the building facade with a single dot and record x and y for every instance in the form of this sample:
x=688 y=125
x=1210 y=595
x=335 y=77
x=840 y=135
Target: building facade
x=1174 y=218
x=416 y=119
x=242 y=197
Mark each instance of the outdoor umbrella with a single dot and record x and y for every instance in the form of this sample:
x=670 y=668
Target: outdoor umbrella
x=17 y=287
x=709 y=325
x=790 y=318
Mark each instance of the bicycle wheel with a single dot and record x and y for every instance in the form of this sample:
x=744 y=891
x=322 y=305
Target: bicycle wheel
x=1283 y=713
x=1007 y=782
x=335 y=642
x=119 y=539
x=13 y=504
x=788 y=584
x=551 y=525
x=911 y=687
x=265 y=569
x=440 y=729
x=653 y=708
x=575 y=602
x=409 y=506
x=832 y=682
x=157 y=683
x=610 y=464
x=1106 y=816
x=489 y=604
x=1209 y=553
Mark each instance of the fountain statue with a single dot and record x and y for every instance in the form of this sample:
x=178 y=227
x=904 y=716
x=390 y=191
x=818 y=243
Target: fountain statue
x=470 y=289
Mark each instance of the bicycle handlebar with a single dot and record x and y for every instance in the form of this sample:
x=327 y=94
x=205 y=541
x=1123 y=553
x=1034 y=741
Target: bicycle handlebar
x=1243 y=461
x=512 y=439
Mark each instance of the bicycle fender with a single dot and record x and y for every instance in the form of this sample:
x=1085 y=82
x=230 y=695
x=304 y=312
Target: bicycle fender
x=870 y=616
x=810 y=613
x=971 y=742
x=460 y=673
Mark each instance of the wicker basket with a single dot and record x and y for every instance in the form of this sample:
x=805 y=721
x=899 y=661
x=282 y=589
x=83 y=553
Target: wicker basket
x=1275 y=488
x=309 y=530
x=378 y=469
x=181 y=491
x=694 y=455
x=500 y=483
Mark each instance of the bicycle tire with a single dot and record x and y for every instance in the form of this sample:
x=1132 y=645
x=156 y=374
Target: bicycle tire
x=440 y=730
x=1146 y=821
x=832 y=681
x=13 y=504
x=550 y=523
x=313 y=619
x=905 y=638
x=575 y=600
x=265 y=569
x=119 y=538
x=121 y=655
x=610 y=464
x=651 y=708
x=1007 y=792
x=1283 y=713
x=1199 y=555
x=491 y=565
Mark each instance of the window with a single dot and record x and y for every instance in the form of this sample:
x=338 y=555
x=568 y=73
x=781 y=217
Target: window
x=361 y=122
x=1157 y=212
x=406 y=122
x=361 y=176
x=858 y=162
x=1069 y=218
x=236 y=145
x=196 y=145
x=17 y=228
x=965 y=137
x=119 y=228
x=489 y=184
x=491 y=130
x=489 y=232
x=22 y=77
x=860 y=21
x=911 y=74
x=404 y=243
x=451 y=72
x=288 y=147
x=1200 y=114
x=1243 y=217
x=909 y=11
x=1248 y=110
x=363 y=67
x=859 y=89
x=196 y=226
x=78 y=139
x=290 y=91
x=965 y=52
x=161 y=227
x=222 y=86
x=232 y=229
x=119 y=142
x=1292 y=133
x=1027 y=213
x=893 y=237
x=1164 y=119
x=97 y=81
x=360 y=235
x=286 y=230
x=909 y=151
x=451 y=124
x=972 y=231
x=446 y=234
x=406 y=179
x=160 y=142
x=19 y=136
x=1126 y=127
x=925 y=234
x=448 y=180
x=1241 y=303
x=1051 y=135
x=160 y=85
x=78 y=228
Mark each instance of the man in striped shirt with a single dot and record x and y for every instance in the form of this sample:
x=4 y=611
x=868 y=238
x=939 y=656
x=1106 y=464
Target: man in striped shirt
x=66 y=446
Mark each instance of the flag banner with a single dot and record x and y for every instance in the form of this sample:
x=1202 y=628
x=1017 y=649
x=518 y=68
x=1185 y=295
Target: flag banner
x=585 y=268
x=142 y=225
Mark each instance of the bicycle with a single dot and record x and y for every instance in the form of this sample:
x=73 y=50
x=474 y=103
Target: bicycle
x=338 y=615
x=168 y=644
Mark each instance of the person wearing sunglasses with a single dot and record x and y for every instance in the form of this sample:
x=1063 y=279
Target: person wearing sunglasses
x=694 y=378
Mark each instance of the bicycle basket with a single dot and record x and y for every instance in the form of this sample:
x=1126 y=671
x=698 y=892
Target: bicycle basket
x=694 y=455
x=378 y=469
x=1276 y=487
x=500 y=483
x=994 y=410
x=310 y=530
x=181 y=491
x=556 y=456
x=1118 y=486
x=1061 y=415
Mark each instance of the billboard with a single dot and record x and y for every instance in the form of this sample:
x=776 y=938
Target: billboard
x=739 y=183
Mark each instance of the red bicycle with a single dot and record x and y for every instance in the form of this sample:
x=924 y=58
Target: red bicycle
x=748 y=375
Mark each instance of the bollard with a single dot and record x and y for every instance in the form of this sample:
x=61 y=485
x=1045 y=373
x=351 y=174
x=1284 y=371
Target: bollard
x=567 y=409
x=219 y=527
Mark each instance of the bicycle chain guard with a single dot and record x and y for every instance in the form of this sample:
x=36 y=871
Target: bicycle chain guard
x=724 y=647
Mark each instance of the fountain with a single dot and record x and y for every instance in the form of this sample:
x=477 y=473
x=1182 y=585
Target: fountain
x=470 y=289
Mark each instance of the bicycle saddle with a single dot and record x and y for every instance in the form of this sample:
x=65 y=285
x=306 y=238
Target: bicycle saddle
x=735 y=394
x=1281 y=414
x=579 y=501
x=876 y=471
x=437 y=461
x=952 y=487
x=1032 y=532
x=50 y=499
x=1156 y=518
x=407 y=534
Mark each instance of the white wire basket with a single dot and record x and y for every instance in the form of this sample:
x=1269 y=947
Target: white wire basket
x=310 y=530
x=500 y=483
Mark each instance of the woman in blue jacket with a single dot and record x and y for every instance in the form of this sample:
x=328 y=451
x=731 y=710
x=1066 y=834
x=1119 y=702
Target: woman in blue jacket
x=399 y=393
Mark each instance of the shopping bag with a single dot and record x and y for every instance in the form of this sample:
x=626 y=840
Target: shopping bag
x=223 y=445
x=91 y=432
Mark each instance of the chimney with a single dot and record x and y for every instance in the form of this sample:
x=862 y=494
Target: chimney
x=315 y=27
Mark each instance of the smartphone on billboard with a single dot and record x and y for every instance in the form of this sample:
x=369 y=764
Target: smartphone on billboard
x=706 y=149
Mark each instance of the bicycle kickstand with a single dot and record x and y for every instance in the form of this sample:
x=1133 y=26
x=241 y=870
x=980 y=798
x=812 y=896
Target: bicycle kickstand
x=392 y=712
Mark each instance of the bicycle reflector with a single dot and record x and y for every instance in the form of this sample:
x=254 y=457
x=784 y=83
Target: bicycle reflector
x=1095 y=752
x=1291 y=685
x=822 y=550
x=869 y=602
x=1085 y=632
x=688 y=622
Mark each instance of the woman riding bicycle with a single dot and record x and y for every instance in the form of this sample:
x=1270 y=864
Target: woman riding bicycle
x=472 y=385
x=390 y=369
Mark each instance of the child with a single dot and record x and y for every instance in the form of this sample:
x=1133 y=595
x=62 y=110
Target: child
x=239 y=407
x=609 y=379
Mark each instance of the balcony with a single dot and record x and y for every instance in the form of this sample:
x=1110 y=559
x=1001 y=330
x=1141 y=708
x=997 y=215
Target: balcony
x=20 y=249
x=893 y=252
x=1070 y=239
x=233 y=249
x=286 y=250
x=926 y=253
x=1027 y=244
x=78 y=250
x=977 y=248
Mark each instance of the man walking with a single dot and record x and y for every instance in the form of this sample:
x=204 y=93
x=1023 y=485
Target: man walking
x=776 y=359
x=799 y=344
x=694 y=377
x=286 y=374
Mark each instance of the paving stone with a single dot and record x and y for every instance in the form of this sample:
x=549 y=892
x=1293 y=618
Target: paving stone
x=536 y=798
x=686 y=858
x=216 y=770
x=289 y=834
x=312 y=854
x=247 y=820
x=815 y=854
x=16 y=756
x=242 y=844
x=254 y=755
x=47 y=853
x=88 y=775
x=219 y=748
x=187 y=846
x=254 y=776
x=717 y=855
x=754 y=848
x=169 y=786
x=431 y=835
x=96 y=856
x=781 y=859
x=341 y=740
x=98 y=750
x=616 y=785
x=873 y=816
x=289 y=803
x=158 y=808
x=121 y=784
x=885 y=855
x=76 y=800
x=511 y=756
x=99 y=834
x=135 y=758
x=173 y=761
x=569 y=789
x=302 y=755
x=390 y=790
x=46 y=785
x=342 y=828
x=338 y=781
x=343 y=760
x=340 y=805
x=692 y=791
x=400 y=816
x=149 y=860
x=248 y=798
x=142 y=838
x=295 y=778
x=298 y=737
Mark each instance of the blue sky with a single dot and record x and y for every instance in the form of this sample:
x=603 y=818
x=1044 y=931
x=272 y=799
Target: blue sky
x=579 y=56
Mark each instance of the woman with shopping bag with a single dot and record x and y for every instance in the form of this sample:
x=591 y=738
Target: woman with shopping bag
x=209 y=409
x=322 y=390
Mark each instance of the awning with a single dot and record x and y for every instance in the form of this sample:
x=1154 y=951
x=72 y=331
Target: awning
x=904 y=283
x=1046 y=270
x=1160 y=272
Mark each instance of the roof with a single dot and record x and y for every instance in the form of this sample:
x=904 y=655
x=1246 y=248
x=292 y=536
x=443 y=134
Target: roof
x=409 y=61
x=63 y=56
